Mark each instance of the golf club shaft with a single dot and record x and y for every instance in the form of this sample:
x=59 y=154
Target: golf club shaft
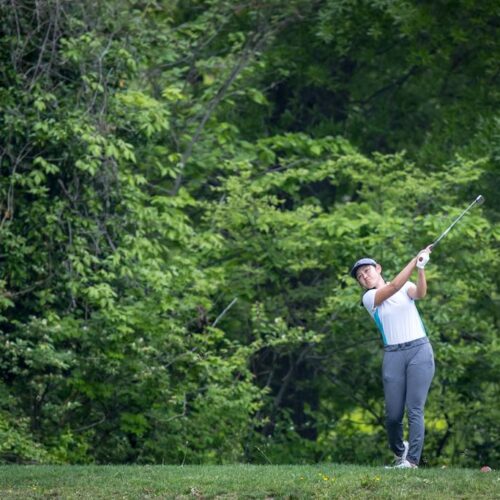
x=479 y=200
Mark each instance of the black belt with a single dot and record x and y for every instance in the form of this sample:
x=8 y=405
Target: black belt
x=406 y=345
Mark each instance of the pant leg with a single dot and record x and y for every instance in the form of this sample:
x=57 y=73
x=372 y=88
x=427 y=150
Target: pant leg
x=420 y=371
x=394 y=379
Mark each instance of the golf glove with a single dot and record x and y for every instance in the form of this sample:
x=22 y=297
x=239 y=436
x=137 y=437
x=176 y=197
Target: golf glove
x=422 y=259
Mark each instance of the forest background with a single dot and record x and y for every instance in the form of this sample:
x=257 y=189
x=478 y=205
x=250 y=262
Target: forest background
x=183 y=188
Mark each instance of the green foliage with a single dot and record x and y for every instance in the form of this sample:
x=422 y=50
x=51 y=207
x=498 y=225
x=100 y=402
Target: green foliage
x=183 y=188
x=17 y=443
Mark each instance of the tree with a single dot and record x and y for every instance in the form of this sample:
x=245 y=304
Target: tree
x=183 y=188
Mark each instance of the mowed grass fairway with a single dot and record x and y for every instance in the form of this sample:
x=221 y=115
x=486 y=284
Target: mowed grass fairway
x=244 y=481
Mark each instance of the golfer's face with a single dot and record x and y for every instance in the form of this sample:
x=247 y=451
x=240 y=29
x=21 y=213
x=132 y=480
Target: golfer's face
x=367 y=276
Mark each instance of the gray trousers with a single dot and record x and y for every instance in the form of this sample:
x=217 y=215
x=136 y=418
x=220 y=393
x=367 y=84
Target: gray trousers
x=407 y=372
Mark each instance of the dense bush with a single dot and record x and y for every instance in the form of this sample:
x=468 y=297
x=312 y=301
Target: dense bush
x=183 y=189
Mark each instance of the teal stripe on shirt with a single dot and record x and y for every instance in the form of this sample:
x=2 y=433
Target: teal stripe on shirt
x=380 y=327
x=422 y=323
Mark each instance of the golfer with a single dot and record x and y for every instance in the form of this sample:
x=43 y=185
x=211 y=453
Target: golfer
x=408 y=365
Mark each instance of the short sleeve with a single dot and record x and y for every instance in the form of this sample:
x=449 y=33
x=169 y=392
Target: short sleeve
x=406 y=287
x=369 y=300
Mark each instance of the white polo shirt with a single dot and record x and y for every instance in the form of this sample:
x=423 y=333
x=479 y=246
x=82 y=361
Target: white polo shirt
x=397 y=317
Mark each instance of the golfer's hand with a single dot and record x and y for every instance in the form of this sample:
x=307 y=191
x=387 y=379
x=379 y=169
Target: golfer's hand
x=423 y=257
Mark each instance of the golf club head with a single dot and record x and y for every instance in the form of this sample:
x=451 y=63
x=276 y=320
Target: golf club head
x=480 y=200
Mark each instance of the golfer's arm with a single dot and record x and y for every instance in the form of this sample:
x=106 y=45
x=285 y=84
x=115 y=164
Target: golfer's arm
x=396 y=284
x=419 y=291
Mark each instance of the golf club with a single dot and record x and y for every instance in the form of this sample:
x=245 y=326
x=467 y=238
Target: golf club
x=478 y=201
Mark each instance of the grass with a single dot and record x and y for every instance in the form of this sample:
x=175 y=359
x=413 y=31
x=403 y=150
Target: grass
x=244 y=481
